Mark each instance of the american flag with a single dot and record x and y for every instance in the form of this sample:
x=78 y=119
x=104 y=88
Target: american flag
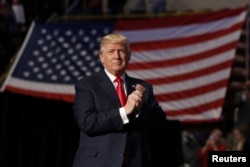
x=187 y=59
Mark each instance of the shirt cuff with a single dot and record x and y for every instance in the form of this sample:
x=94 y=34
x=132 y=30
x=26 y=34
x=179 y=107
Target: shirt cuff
x=123 y=114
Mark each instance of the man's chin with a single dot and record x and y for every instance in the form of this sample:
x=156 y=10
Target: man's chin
x=118 y=71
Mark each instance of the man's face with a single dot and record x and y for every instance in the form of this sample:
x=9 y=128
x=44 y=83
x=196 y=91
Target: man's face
x=115 y=57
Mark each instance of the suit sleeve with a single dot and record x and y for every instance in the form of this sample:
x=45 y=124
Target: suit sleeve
x=158 y=117
x=90 y=118
x=152 y=115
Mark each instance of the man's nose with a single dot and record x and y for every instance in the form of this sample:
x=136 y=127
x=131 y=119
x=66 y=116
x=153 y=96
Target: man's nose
x=117 y=54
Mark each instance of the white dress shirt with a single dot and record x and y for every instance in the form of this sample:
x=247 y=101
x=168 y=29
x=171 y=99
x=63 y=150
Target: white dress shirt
x=123 y=114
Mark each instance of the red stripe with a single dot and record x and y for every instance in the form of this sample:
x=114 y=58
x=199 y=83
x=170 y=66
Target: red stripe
x=182 y=60
x=54 y=96
x=177 y=20
x=198 y=109
x=191 y=75
x=185 y=41
x=191 y=92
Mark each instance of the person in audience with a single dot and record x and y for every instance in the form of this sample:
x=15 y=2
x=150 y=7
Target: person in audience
x=239 y=138
x=215 y=142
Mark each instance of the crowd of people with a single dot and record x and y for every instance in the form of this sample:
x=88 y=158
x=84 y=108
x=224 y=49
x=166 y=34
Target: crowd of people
x=42 y=9
x=196 y=145
x=99 y=7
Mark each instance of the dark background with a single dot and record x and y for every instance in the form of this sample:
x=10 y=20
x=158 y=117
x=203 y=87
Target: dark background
x=37 y=132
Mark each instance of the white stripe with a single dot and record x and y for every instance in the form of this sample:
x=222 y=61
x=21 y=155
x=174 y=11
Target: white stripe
x=208 y=115
x=182 y=68
x=192 y=83
x=181 y=31
x=41 y=87
x=193 y=101
x=184 y=51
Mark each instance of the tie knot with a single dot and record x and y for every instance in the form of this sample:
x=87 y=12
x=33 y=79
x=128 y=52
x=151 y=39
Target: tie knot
x=118 y=80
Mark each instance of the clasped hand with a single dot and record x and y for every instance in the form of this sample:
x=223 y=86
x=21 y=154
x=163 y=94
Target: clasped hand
x=134 y=100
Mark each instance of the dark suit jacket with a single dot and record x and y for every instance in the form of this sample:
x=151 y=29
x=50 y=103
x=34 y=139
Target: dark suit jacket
x=103 y=136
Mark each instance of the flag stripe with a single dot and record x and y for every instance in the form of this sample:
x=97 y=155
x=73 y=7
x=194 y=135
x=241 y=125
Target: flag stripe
x=185 y=104
x=192 y=75
x=180 y=60
x=184 y=51
x=176 y=33
x=67 y=98
x=180 y=20
x=196 y=110
x=183 y=68
x=178 y=42
x=189 y=84
x=191 y=92
x=44 y=87
x=208 y=116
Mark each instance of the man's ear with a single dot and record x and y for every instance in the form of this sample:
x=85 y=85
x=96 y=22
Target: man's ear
x=129 y=55
x=101 y=57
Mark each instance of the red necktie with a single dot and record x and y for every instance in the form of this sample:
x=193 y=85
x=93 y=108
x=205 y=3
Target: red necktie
x=120 y=91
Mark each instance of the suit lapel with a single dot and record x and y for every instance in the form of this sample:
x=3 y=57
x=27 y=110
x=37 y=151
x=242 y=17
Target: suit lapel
x=130 y=85
x=108 y=87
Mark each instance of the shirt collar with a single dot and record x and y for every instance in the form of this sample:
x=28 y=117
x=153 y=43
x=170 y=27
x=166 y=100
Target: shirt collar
x=112 y=77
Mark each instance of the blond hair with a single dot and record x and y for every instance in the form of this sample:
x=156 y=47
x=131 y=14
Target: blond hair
x=114 y=38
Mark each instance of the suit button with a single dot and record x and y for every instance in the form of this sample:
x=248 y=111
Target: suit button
x=122 y=154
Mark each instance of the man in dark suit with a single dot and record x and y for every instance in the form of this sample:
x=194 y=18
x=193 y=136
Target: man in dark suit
x=113 y=132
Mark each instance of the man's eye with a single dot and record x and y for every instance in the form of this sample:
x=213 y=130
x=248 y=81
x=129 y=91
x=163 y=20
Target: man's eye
x=122 y=51
x=110 y=52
